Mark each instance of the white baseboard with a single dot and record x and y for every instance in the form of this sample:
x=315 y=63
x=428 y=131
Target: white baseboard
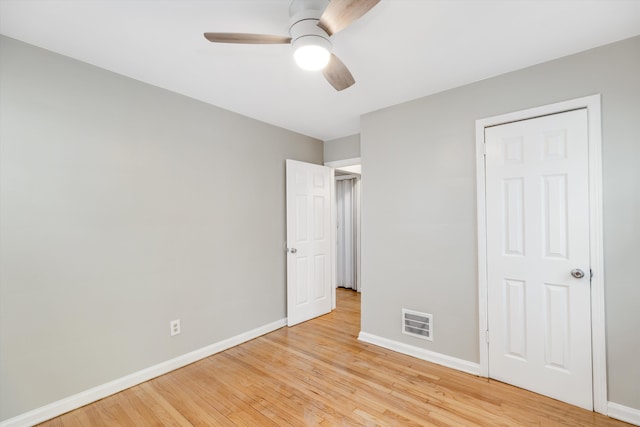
x=624 y=413
x=421 y=353
x=70 y=403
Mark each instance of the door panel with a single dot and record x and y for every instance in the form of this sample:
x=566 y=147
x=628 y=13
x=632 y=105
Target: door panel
x=516 y=324
x=308 y=241
x=537 y=200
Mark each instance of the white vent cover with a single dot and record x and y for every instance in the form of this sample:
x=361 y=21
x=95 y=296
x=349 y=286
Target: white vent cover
x=417 y=324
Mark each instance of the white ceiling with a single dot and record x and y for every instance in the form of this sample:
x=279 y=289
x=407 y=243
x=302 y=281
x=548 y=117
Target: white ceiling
x=400 y=50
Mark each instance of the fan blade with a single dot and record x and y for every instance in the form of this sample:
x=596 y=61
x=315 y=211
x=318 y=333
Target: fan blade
x=337 y=74
x=341 y=13
x=246 y=38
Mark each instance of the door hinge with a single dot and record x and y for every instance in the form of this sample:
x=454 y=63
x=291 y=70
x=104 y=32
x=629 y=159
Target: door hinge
x=486 y=336
x=484 y=148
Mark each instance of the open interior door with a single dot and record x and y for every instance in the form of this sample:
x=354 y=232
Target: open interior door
x=309 y=290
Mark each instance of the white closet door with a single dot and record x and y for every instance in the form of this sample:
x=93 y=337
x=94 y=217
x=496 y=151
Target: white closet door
x=346 y=241
x=537 y=248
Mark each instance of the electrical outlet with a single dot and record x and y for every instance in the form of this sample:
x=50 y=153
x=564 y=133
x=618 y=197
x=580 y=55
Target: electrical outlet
x=175 y=327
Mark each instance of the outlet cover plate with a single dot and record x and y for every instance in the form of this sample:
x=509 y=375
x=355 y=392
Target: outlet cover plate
x=175 y=327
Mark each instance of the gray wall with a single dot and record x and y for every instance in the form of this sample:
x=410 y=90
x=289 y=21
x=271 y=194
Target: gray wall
x=342 y=148
x=419 y=223
x=124 y=206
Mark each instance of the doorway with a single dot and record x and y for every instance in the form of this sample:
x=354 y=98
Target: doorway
x=346 y=216
x=347 y=230
x=540 y=251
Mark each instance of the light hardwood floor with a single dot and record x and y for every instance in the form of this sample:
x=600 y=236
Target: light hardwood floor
x=318 y=374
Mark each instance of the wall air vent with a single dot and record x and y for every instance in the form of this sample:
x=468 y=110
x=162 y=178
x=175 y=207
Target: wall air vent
x=417 y=324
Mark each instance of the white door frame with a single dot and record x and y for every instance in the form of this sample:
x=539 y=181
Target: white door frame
x=598 y=332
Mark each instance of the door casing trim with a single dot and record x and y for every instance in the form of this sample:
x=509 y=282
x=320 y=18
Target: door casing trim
x=598 y=331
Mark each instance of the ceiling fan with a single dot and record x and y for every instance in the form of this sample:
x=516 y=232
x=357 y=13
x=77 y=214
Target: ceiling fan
x=311 y=25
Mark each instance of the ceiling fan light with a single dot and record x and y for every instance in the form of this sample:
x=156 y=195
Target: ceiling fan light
x=312 y=53
x=312 y=58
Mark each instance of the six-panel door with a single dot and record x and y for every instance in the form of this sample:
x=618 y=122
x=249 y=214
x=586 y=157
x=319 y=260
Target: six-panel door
x=537 y=200
x=308 y=241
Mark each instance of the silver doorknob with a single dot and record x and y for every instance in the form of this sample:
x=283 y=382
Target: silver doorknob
x=577 y=273
x=293 y=250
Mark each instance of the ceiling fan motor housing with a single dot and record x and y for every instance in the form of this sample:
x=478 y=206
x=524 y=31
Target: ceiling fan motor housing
x=303 y=28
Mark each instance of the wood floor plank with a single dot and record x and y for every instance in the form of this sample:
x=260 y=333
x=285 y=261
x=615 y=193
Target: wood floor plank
x=318 y=374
